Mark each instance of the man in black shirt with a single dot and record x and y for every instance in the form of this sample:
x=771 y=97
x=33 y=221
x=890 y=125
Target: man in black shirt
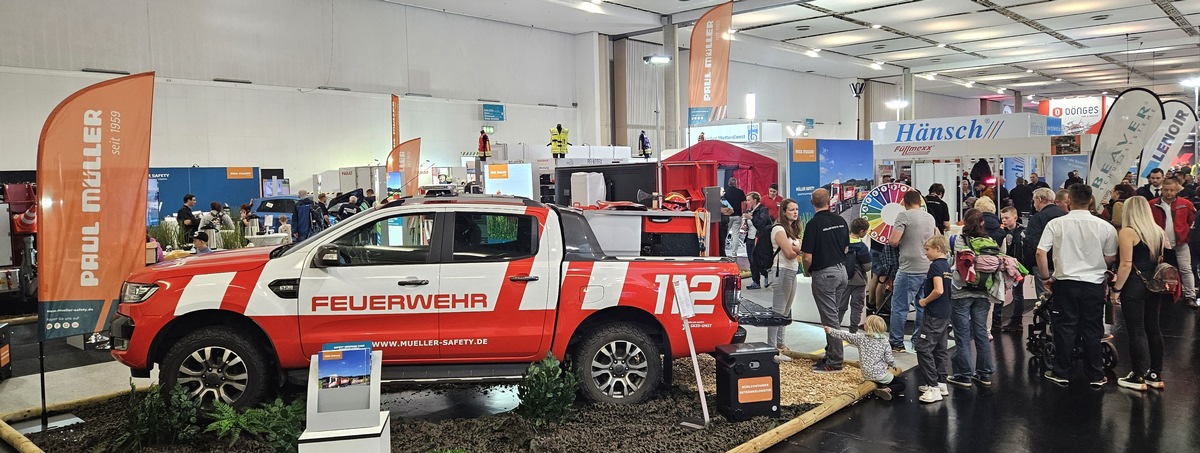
x=938 y=208
x=1037 y=183
x=1047 y=210
x=348 y=209
x=188 y=222
x=823 y=249
x=1022 y=197
x=736 y=198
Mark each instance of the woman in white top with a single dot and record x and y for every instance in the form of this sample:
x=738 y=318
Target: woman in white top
x=785 y=240
x=213 y=221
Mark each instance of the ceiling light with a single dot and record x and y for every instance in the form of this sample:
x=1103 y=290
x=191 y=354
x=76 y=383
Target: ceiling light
x=876 y=26
x=597 y=1
x=969 y=84
x=733 y=30
x=1029 y=71
x=1058 y=80
x=1030 y=97
x=751 y=105
x=802 y=28
x=1100 y=17
x=930 y=76
x=1191 y=83
x=876 y=66
x=656 y=59
x=816 y=50
x=896 y=104
x=1103 y=92
x=942 y=45
x=999 y=90
x=812 y=53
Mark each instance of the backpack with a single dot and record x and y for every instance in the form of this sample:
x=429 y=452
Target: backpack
x=856 y=273
x=981 y=246
x=307 y=221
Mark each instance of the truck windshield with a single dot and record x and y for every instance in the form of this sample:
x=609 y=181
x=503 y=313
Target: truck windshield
x=578 y=239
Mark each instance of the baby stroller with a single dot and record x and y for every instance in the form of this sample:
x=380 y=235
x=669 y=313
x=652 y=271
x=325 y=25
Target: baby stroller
x=1040 y=341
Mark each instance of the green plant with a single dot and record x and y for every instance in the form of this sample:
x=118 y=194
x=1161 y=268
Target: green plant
x=233 y=239
x=167 y=234
x=158 y=418
x=277 y=424
x=547 y=393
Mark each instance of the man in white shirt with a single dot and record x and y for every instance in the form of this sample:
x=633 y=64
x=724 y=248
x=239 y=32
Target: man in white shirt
x=1078 y=284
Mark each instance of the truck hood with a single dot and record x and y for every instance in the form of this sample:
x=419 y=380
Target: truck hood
x=222 y=261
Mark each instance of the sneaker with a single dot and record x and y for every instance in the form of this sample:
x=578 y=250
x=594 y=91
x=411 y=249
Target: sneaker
x=1133 y=381
x=943 y=389
x=1012 y=328
x=898 y=348
x=826 y=368
x=982 y=379
x=1050 y=376
x=754 y=286
x=780 y=358
x=930 y=395
x=961 y=381
x=883 y=393
x=1097 y=385
x=1154 y=380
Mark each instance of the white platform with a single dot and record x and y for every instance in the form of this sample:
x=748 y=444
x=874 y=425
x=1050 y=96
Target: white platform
x=357 y=440
x=266 y=239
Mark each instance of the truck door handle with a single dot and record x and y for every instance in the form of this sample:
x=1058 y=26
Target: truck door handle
x=523 y=278
x=413 y=282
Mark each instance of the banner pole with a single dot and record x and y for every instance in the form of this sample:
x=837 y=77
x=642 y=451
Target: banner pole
x=42 y=377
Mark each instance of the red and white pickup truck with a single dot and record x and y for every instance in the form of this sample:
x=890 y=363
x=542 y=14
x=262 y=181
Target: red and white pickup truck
x=468 y=288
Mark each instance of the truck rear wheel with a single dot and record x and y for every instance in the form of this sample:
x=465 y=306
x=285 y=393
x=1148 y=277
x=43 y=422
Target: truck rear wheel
x=217 y=364
x=618 y=363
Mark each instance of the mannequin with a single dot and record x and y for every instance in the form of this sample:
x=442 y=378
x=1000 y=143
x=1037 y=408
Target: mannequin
x=643 y=145
x=485 y=146
x=558 y=141
x=700 y=138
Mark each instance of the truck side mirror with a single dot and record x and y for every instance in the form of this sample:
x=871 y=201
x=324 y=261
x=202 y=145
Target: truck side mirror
x=327 y=256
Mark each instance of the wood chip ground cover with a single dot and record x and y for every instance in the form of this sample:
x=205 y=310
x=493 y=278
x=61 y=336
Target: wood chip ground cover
x=648 y=427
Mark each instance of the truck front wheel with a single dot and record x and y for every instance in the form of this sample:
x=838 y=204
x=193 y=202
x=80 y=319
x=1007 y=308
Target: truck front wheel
x=618 y=363
x=217 y=364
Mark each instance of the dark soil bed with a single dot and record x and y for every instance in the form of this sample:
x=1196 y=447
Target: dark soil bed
x=649 y=427
x=102 y=424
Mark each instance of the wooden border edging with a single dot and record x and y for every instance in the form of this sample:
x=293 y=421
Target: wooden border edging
x=795 y=425
x=16 y=321
x=21 y=443
x=789 y=429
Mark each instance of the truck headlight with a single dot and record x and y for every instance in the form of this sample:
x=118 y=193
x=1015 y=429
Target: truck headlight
x=132 y=293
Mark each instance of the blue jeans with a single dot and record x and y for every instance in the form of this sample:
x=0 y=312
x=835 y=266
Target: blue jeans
x=970 y=323
x=904 y=293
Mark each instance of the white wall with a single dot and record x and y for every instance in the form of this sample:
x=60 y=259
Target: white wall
x=213 y=125
x=370 y=46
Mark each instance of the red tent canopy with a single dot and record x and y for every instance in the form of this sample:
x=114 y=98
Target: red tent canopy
x=754 y=172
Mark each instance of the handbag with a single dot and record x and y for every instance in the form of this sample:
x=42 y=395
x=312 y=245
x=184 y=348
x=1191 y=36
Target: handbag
x=1166 y=279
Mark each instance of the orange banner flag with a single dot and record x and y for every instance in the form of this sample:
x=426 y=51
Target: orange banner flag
x=406 y=157
x=708 y=81
x=92 y=171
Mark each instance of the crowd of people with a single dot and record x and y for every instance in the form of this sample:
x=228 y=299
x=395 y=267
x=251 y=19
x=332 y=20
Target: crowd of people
x=968 y=283
x=310 y=216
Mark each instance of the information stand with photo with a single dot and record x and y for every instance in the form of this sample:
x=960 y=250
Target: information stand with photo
x=343 y=401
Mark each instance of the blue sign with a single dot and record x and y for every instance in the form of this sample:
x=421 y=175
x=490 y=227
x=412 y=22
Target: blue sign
x=752 y=133
x=493 y=112
x=808 y=123
x=1054 y=126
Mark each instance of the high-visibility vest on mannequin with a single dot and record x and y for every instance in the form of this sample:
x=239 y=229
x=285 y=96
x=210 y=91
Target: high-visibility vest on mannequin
x=485 y=146
x=558 y=141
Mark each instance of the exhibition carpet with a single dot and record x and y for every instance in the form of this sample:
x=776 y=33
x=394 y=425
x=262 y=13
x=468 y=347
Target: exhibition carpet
x=1024 y=412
